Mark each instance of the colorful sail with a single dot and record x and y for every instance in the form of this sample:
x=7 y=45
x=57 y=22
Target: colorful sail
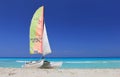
x=39 y=43
x=36 y=32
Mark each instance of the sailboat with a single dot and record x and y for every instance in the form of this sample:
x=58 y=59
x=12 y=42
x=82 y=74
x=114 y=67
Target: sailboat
x=39 y=43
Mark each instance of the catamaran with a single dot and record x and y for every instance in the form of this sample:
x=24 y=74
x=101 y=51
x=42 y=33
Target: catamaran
x=39 y=43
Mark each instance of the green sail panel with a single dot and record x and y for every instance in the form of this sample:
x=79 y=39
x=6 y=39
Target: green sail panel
x=36 y=31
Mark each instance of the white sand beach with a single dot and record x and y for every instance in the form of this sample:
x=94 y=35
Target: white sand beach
x=22 y=72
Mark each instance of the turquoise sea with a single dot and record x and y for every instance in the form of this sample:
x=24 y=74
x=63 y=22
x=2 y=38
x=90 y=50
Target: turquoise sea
x=67 y=62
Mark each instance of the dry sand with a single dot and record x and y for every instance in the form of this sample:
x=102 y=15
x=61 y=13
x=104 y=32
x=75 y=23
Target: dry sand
x=22 y=72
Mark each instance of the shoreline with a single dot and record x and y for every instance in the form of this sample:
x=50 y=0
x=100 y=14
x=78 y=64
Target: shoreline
x=29 y=72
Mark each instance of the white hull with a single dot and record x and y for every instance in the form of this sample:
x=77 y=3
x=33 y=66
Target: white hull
x=40 y=63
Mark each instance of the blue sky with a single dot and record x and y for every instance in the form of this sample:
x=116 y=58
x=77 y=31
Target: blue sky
x=76 y=28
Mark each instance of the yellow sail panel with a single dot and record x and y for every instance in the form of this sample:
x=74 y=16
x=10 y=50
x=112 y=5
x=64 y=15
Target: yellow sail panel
x=36 y=32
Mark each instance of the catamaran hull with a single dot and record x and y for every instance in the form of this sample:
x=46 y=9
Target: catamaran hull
x=39 y=65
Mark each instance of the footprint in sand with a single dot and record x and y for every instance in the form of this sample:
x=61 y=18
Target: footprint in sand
x=11 y=74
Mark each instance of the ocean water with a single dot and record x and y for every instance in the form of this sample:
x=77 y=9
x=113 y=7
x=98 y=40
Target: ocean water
x=79 y=63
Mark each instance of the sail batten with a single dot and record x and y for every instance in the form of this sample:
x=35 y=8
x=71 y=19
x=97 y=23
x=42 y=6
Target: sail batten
x=39 y=43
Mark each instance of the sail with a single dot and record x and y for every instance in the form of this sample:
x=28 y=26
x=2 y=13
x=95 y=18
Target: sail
x=39 y=43
x=36 y=32
x=46 y=45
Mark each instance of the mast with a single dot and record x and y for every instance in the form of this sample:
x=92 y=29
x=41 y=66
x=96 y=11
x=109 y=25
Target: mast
x=43 y=56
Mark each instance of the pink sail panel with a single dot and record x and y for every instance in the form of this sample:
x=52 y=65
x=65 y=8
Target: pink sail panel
x=39 y=33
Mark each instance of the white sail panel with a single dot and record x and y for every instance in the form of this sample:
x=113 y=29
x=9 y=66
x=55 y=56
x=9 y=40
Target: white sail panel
x=46 y=45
